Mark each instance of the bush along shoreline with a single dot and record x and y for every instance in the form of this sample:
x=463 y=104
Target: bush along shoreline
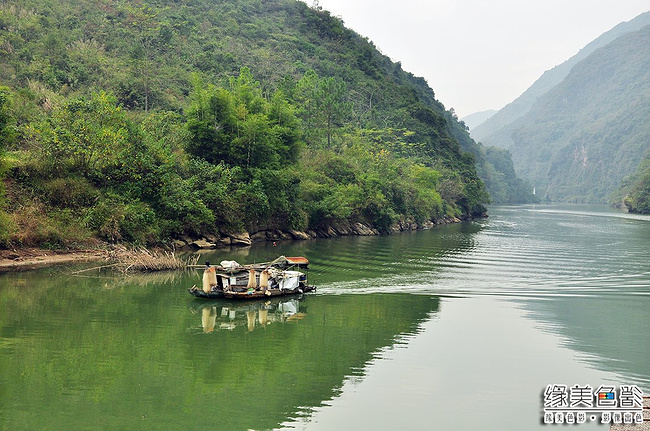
x=90 y=171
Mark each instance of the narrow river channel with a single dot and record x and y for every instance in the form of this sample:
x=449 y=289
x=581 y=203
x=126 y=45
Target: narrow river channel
x=461 y=327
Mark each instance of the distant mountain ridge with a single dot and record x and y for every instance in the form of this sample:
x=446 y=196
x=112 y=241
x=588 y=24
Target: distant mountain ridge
x=473 y=120
x=497 y=129
x=584 y=136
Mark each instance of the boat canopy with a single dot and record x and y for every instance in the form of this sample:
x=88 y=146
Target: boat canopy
x=284 y=261
x=302 y=261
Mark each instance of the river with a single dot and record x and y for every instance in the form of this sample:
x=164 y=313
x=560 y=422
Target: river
x=460 y=327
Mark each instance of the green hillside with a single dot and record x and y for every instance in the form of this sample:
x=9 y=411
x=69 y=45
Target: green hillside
x=497 y=129
x=141 y=121
x=584 y=136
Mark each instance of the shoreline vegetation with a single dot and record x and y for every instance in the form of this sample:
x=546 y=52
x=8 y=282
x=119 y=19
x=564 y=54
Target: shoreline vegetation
x=156 y=259
x=195 y=136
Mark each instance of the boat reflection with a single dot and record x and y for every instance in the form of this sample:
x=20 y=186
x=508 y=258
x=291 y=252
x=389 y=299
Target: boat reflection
x=227 y=316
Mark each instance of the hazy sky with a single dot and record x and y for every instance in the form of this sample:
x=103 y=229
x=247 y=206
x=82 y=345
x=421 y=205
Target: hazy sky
x=481 y=54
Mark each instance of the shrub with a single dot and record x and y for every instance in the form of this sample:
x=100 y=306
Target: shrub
x=115 y=220
x=7 y=229
x=73 y=192
x=35 y=225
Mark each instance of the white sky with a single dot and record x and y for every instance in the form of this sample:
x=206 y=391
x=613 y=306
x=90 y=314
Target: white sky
x=481 y=54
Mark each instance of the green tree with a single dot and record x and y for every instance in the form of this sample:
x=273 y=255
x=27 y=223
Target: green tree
x=637 y=188
x=86 y=134
x=144 y=20
x=324 y=104
x=241 y=128
x=5 y=118
x=5 y=137
x=332 y=104
x=212 y=123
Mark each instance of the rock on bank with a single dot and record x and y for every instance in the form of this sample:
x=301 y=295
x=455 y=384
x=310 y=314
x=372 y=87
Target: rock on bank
x=342 y=228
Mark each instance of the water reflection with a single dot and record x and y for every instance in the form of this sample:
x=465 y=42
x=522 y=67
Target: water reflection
x=610 y=333
x=316 y=341
x=478 y=364
x=146 y=355
x=227 y=316
x=592 y=289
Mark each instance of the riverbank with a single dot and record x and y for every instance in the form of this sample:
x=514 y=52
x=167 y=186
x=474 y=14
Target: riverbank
x=28 y=258
x=341 y=228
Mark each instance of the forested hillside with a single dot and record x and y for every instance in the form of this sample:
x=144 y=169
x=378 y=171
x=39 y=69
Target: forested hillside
x=141 y=121
x=581 y=139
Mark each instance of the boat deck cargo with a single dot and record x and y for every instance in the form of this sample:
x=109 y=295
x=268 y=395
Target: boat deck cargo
x=280 y=277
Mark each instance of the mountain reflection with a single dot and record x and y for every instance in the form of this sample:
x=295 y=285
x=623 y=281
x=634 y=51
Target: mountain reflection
x=140 y=345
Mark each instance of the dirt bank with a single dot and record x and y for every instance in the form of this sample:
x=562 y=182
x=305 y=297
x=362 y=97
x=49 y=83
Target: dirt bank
x=32 y=258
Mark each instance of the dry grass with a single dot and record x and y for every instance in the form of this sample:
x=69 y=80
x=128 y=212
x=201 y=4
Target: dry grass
x=144 y=260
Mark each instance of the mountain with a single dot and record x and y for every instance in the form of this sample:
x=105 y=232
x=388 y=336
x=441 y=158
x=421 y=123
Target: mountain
x=581 y=138
x=477 y=118
x=497 y=129
x=149 y=120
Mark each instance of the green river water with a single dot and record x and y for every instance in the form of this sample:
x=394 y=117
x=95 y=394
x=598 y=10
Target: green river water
x=460 y=327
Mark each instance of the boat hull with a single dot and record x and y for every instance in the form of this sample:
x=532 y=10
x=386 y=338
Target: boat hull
x=254 y=294
x=198 y=293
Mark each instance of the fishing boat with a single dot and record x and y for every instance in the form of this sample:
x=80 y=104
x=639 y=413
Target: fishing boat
x=280 y=277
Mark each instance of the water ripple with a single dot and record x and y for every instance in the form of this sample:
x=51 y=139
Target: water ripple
x=546 y=253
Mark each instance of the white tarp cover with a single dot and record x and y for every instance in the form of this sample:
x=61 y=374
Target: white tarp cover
x=229 y=264
x=290 y=280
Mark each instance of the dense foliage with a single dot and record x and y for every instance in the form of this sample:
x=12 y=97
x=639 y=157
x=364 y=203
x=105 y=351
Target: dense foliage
x=141 y=121
x=635 y=190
